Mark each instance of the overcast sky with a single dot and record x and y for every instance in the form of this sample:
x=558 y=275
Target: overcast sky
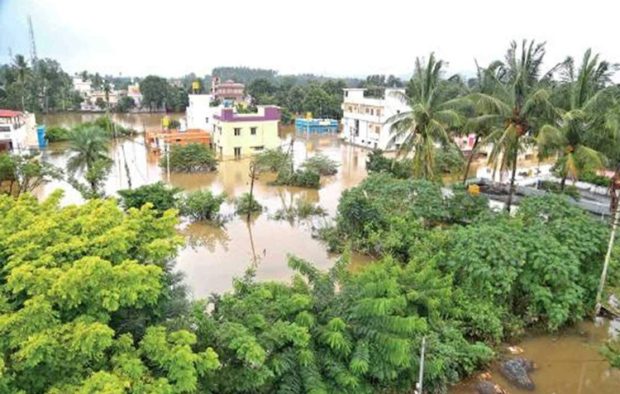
x=330 y=37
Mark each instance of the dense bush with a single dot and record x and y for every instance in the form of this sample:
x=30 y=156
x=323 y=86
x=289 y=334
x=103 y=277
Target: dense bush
x=272 y=160
x=93 y=306
x=554 y=187
x=247 y=204
x=376 y=162
x=539 y=268
x=301 y=209
x=449 y=160
x=56 y=134
x=598 y=180
x=321 y=164
x=300 y=178
x=190 y=158
x=160 y=195
x=201 y=205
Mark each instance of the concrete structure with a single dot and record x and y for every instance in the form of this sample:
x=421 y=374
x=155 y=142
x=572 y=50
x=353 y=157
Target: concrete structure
x=238 y=135
x=17 y=131
x=157 y=140
x=200 y=114
x=228 y=90
x=83 y=87
x=318 y=126
x=365 y=119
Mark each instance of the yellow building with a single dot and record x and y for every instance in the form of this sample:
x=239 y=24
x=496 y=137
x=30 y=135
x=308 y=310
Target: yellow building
x=237 y=135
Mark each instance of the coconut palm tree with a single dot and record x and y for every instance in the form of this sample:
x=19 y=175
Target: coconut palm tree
x=433 y=114
x=589 y=99
x=21 y=66
x=89 y=146
x=479 y=123
x=517 y=107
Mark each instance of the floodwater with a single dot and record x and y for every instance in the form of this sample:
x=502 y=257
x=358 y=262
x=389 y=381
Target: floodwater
x=215 y=255
x=139 y=122
x=569 y=363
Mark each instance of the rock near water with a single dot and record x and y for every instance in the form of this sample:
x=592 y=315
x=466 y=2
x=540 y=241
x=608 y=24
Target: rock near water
x=516 y=371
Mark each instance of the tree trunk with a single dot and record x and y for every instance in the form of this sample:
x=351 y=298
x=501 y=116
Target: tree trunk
x=252 y=177
x=563 y=181
x=470 y=159
x=511 y=191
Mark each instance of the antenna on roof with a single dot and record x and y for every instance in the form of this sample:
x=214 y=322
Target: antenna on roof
x=33 y=45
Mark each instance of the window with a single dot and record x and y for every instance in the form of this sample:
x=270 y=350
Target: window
x=237 y=152
x=377 y=129
x=258 y=148
x=378 y=112
x=366 y=110
x=372 y=111
x=237 y=132
x=253 y=130
x=207 y=119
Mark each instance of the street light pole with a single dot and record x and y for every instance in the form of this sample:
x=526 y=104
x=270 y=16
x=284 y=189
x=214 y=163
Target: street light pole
x=610 y=246
x=419 y=385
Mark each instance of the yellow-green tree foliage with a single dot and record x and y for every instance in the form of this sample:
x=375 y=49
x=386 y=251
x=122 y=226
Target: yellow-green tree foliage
x=66 y=275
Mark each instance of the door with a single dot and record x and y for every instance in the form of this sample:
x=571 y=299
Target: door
x=237 y=152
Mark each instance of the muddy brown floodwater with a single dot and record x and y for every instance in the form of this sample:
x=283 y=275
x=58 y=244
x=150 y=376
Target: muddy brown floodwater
x=215 y=255
x=569 y=363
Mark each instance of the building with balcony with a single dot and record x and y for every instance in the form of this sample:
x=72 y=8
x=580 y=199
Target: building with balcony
x=17 y=131
x=228 y=90
x=365 y=119
x=238 y=135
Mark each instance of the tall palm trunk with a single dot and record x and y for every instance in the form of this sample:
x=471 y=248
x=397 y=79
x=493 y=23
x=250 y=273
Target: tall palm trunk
x=511 y=191
x=470 y=159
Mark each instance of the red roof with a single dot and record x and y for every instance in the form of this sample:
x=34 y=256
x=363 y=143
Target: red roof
x=7 y=113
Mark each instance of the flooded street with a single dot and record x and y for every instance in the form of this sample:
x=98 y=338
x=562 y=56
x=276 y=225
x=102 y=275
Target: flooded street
x=567 y=364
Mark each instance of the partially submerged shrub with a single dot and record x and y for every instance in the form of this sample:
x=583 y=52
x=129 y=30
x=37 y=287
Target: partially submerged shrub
x=162 y=196
x=201 y=205
x=300 y=178
x=301 y=209
x=247 y=203
x=190 y=158
x=321 y=164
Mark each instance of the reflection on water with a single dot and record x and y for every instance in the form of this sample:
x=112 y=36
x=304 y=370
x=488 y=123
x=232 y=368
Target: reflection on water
x=214 y=255
x=139 y=122
x=569 y=363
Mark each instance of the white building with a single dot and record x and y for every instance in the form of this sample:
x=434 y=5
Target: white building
x=365 y=119
x=200 y=114
x=17 y=131
x=83 y=87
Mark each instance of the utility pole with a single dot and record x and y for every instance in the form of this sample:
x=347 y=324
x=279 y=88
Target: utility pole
x=610 y=246
x=167 y=146
x=419 y=385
